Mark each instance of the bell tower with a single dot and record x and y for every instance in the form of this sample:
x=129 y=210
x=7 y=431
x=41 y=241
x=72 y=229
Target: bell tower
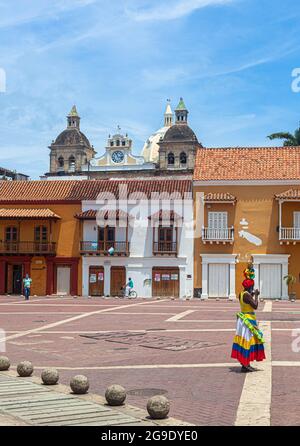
x=73 y=118
x=168 y=121
x=181 y=113
x=71 y=149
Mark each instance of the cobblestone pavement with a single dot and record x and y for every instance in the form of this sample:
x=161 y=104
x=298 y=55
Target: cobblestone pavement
x=177 y=348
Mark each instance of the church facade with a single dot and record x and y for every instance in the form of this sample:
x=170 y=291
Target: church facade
x=168 y=151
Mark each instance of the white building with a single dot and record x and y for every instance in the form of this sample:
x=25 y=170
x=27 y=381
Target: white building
x=149 y=241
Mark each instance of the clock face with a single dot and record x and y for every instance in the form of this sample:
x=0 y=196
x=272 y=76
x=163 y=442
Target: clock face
x=117 y=156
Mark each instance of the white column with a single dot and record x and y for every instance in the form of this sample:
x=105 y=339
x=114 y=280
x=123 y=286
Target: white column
x=107 y=267
x=285 y=290
x=204 y=294
x=182 y=282
x=280 y=218
x=232 y=295
x=85 y=277
x=256 y=280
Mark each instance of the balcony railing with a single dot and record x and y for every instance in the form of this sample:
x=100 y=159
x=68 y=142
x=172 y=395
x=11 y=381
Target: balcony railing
x=292 y=234
x=160 y=248
x=35 y=248
x=218 y=235
x=103 y=248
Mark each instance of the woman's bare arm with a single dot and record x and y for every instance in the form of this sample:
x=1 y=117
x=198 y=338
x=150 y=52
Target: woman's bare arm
x=253 y=301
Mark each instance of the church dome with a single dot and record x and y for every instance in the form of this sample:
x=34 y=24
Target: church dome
x=179 y=132
x=72 y=136
x=151 y=147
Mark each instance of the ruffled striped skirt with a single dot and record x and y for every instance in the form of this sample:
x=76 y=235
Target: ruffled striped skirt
x=248 y=343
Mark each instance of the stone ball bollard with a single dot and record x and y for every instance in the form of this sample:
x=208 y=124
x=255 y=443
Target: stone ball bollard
x=115 y=395
x=158 y=407
x=79 y=384
x=4 y=363
x=25 y=369
x=50 y=376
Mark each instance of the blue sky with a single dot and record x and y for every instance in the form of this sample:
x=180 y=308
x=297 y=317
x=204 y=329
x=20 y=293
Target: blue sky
x=119 y=60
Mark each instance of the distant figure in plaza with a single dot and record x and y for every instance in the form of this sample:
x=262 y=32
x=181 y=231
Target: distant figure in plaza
x=27 y=284
x=248 y=344
x=129 y=286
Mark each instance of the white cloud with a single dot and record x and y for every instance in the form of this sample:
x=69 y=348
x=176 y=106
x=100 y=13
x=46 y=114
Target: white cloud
x=165 y=11
x=19 y=12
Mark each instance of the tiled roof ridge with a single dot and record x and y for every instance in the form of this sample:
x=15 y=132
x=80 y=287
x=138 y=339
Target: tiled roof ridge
x=251 y=147
x=78 y=190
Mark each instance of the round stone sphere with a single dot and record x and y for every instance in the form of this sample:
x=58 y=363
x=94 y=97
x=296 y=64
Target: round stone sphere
x=158 y=407
x=50 y=376
x=79 y=384
x=4 y=363
x=25 y=368
x=115 y=395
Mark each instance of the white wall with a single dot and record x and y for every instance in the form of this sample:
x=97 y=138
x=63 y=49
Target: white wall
x=141 y=261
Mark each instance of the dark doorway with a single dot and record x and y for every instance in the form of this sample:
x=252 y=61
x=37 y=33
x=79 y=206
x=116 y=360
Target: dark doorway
x=17 y=271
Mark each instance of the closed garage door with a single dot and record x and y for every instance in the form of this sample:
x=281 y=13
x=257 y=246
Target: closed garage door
x=63 y=279
x=218 y=280
x=165 y=282
x=271 y=281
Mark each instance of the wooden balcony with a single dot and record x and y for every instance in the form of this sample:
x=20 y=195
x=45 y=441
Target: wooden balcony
x=219 y=236
x=287 y=235
x=165 y=248
x=102 y=248
x=29 y=248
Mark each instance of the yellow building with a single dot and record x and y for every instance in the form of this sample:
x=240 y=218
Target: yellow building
x=247 y=207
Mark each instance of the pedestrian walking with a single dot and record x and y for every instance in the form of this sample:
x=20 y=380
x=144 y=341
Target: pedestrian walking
x=27 y=284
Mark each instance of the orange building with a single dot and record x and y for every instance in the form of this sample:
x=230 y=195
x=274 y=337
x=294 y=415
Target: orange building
x=39 y=236
x=49 y=229
x=247 y=206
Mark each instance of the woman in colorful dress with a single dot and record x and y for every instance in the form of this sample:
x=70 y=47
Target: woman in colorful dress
x=248 y=344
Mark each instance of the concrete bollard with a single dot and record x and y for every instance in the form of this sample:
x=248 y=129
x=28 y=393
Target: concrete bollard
x=4 y=363
x=79 y=384
x=115 y=395
x=50 y=376
x=25 y=369
x=158 y=407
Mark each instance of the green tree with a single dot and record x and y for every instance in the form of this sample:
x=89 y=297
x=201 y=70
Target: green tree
x=289 y=138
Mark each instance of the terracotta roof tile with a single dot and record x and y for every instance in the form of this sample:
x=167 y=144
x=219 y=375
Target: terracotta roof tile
x=27 y=213
x=291 y=194
x=76 y=190
x=92 y=214
x=247 y=163
x=219 y=196
x=165 y=215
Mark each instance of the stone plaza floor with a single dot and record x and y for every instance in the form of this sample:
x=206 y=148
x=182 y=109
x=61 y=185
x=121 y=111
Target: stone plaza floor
x=177 y=348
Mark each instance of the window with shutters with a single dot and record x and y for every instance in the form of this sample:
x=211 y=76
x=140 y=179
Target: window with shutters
x=217 y=220
x=41 y=234
x=297 y=220
x=11 y=234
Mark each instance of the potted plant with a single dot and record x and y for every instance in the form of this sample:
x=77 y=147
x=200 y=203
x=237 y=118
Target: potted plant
x=290 y=280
